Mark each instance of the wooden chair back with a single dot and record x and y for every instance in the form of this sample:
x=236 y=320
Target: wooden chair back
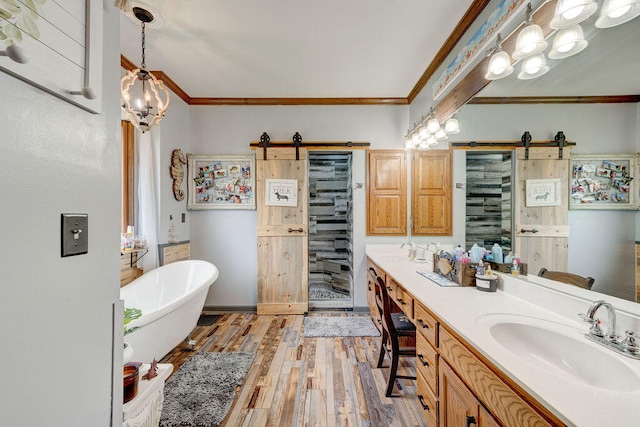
x=384 y=306
x=569 y=278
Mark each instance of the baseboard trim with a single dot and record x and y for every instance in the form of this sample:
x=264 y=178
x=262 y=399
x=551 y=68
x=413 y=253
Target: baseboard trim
x=231 y=308
x=254 y=309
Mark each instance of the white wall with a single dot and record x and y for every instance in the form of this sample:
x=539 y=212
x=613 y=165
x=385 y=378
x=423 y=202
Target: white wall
x=56 y=313
x=601 y=243
x=174 y=134
x=228 y=238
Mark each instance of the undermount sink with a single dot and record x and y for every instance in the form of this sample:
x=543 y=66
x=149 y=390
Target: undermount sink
x=561 y=350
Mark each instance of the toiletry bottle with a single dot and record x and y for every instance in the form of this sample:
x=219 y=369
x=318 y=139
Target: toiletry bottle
x=480 y=270
x=515 y=270
x=475 y=253
x=457 y=253
x=509 y=258
x=496 y=250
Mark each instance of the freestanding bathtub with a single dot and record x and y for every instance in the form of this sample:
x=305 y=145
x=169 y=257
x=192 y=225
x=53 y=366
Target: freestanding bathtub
x=171 y=299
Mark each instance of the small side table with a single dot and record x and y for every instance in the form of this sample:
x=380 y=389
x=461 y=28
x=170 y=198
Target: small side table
x=144 y=409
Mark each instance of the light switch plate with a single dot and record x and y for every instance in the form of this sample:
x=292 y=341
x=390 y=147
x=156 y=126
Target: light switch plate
x=74 y=234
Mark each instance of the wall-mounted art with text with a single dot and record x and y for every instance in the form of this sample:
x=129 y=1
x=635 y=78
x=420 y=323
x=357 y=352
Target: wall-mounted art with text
x=543 y=192
x=221 y=182
x=281 y=192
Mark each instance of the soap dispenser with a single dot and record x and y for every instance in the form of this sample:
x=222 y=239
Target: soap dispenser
x=496 y=250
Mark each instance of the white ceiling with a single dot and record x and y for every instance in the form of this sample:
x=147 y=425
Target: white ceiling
x=345 y=49
x=293 y=48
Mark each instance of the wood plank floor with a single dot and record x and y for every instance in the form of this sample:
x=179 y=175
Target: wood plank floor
x=296 y=381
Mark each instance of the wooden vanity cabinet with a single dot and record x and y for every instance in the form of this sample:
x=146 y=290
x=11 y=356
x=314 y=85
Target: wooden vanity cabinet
x=458 y=405
x=459 y=366
x=455 y=384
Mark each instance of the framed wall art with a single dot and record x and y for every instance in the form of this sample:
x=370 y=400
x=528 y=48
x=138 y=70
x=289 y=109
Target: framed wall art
x=603 y=181
x=61 y=41
x=221 y=182
x=543 y=192
x=281 y=192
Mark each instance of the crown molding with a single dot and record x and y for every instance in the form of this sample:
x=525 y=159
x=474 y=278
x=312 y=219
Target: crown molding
x=609 y=99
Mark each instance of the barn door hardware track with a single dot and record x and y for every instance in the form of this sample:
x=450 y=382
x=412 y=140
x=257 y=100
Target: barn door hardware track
x=559 y=141
x=296 y=142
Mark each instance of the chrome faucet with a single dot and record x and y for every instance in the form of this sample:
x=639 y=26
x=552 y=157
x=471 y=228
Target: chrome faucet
x=412 y=249
x=628 y=346
x=595 y=329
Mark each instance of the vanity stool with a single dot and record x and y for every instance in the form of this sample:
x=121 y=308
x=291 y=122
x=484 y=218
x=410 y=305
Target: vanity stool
x=144 y=409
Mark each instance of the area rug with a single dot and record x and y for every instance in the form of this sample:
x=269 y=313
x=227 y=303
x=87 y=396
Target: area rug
x=339 y=326
x=201 y=391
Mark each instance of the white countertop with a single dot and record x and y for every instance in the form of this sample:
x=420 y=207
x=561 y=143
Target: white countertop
x=573 y=402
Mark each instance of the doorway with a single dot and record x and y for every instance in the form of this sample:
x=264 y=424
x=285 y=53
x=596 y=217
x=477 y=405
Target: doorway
x=489 y=199
x=330 y=230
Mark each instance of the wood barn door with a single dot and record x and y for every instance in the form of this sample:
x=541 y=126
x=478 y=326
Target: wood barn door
x=542 y=232
x=283 y=267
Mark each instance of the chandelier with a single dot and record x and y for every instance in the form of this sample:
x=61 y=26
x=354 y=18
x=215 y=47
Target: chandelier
x=144 y=97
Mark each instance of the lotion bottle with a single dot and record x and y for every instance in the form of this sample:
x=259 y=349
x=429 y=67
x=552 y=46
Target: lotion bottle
x=496 y=250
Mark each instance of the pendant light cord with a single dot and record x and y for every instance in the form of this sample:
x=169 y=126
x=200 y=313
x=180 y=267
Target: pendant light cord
x=143 y=64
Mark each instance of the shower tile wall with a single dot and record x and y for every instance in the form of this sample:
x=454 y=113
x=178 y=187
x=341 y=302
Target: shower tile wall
x=488 y=205
x=330 y=222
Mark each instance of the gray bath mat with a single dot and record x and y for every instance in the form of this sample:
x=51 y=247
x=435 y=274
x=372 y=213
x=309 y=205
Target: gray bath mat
x=201 y=391
x=339 y=326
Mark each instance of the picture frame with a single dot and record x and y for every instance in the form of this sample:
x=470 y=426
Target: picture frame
x=543 y=192
x=603 y=181
x=221 y=182
x=63 y=42
x=281 y=192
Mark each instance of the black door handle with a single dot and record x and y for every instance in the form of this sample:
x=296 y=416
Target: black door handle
x=533 y=230
x=471 y=420
x=299 y=230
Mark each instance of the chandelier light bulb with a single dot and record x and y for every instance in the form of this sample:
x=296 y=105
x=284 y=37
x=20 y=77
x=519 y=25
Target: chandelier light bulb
x=616 y=12
x=499 y=66
x=568 y=42
x=440 y=134
x=533 y=67
x=452 y=126
x=571 y=12
x=424 y=146
x=422 y=131
x=530 y=42
x=433 y=125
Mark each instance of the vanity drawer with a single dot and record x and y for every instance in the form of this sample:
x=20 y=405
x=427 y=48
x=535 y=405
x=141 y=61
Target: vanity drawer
x=428 y=401
x=492 y=390
x=392 y=288
x=405 y=302
x=427 y=362
x=426 y=324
